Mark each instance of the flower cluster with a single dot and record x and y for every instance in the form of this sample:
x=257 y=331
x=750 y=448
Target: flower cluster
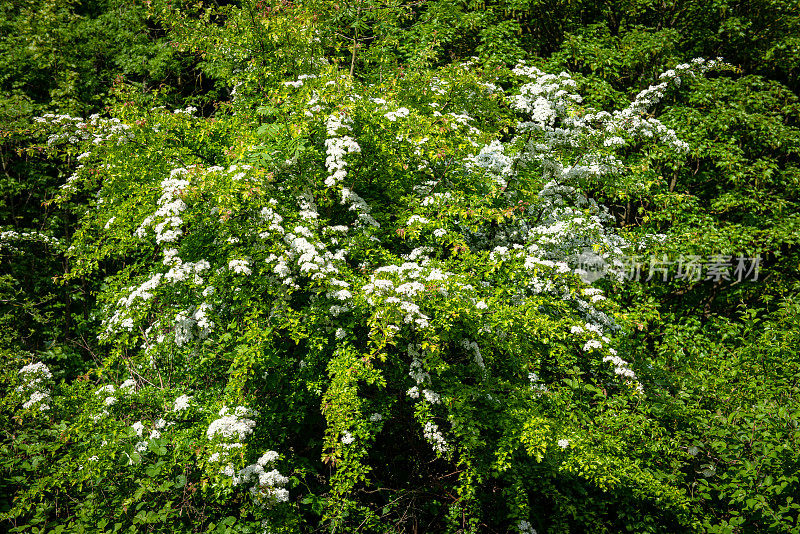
x=299 y=82
x=181 y=403
x=240 y=267
x=422 y=391
x=232 y=423
x=266 y=488
x=394 y=288
x=305 y=255
x=355 y=203
x=186 y=321
x=337 y=147
x=9 y=239
x=235 y=424
x=95 y=129
x=166 y=222
x=398 y=114
x=143 y=445
x=170 y=206
x=34 y=378
x=435 y=437
x=493 y=160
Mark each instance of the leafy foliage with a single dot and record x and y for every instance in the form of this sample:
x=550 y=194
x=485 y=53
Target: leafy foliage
x=342 y=294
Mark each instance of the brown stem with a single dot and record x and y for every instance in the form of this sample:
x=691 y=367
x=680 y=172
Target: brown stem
x=355 y=42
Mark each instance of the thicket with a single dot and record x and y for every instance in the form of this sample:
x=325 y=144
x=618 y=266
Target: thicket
x=311 y=266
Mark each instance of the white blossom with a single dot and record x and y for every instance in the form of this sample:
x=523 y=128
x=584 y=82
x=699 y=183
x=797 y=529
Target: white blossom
x=181 y=403
x=233 y=425
x=398 y=114
x=240 y=266
x=435 y=437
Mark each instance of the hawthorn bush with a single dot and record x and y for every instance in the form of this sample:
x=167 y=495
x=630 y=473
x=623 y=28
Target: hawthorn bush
x=352 y=305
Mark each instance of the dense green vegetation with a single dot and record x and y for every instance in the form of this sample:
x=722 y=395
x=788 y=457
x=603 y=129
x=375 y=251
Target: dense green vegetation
x=273 y=266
